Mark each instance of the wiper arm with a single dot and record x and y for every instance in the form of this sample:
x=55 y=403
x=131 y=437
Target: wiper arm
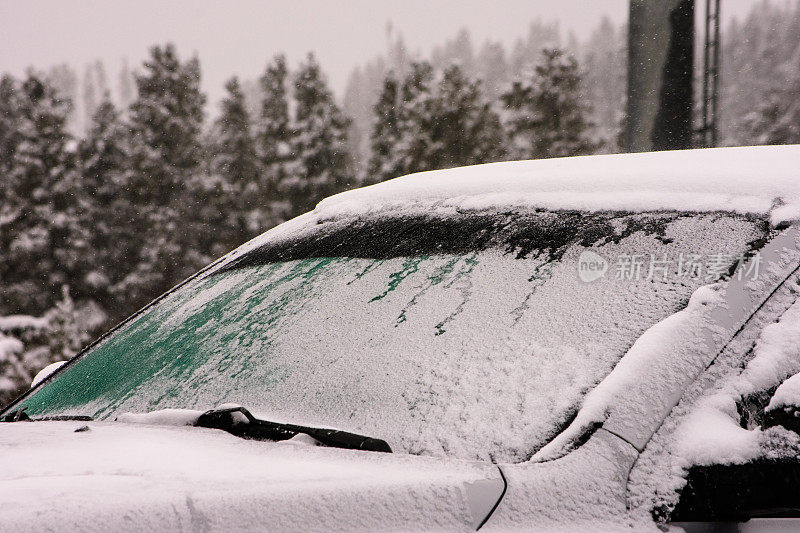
x=256 y=429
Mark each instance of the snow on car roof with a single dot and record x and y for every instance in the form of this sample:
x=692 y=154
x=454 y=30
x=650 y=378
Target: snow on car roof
x=755 y=179
x=759 y=180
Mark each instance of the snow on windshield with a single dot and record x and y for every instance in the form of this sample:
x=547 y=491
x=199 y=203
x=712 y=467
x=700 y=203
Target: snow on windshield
x=478 y=347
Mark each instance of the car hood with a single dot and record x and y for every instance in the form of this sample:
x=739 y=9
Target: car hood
x=113 y=475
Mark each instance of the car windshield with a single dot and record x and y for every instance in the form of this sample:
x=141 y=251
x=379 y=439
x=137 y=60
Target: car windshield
x=470 y=335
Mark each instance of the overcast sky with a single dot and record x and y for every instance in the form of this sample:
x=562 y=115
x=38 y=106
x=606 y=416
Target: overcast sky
x=239 y=37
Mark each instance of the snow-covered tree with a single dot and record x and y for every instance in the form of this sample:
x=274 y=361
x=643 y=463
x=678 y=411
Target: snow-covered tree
x=385 y=138
x=125 y=86
x=166 y=152
x=362 y=91
x=9 y=125
x=541 y=34
x=234 y=163
x=10 y=117
x=416 y=97
x=101 y=80
x=456 y=51
x=22 y=353
x=64 y=81
x=104 y=154
x=604 y=62
x=89 y=95
x=166 y=121
x=321 y=161
x=108 y=213
x=465 y=129
x=273 y=136
x=776 y=120
x=234 y=150
x=69 y=326
x=272 y=127
x=39 y=205
x=492 y=68
x=28 y=343
x=760 y=66
x=545 y=114
x=426 y=124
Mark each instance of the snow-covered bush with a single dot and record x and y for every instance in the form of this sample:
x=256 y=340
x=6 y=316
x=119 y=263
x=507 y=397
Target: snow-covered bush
x=28 y=344
x=18 y=362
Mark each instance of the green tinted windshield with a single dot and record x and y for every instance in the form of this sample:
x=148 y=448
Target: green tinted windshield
x=474 y=345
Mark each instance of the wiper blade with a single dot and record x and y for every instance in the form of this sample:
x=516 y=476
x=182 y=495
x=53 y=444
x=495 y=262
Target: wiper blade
x=255 y=429
x=20 y=416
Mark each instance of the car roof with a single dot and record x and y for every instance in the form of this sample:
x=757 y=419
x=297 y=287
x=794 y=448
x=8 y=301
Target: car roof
x=762 y=180
x=751 y=180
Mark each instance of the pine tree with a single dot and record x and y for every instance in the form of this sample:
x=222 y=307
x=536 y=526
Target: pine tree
x=64 y=81
x=126 y=88
x=9 y=127
x=540 y=35
x=321 y=165
x=546 y=117
x=492 y=69
x=89 y=97
x=358 y=105
x=273 y=127
x=69 y=325
x=11 y=207
x=416 y=96
x=104 y=154
x=362 y=92
x=604 y=60
x=273 y=139
x=166 y=123
x=759 y=63
x=457 y=51
x=465 y=130
x=424 y=126
x=235 y=154
x=101 y=80
x=777 y=119
x=236 y=165
x=107 y=214
x=39 y=196
x=385 y=138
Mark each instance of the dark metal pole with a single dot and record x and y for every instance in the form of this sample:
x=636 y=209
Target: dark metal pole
x=660 y=75
x=711 y=70
x=706 y=76
x=715 y=75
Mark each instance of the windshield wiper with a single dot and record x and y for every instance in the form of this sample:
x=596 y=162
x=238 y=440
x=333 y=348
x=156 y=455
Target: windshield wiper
x=20 y=416
x=255 y=429
x=249 y=428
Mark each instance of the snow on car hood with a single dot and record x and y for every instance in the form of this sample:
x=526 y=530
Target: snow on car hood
x=116 y=475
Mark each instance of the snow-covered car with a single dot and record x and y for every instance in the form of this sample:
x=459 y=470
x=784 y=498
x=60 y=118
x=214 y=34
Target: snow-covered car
x=588 y=343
